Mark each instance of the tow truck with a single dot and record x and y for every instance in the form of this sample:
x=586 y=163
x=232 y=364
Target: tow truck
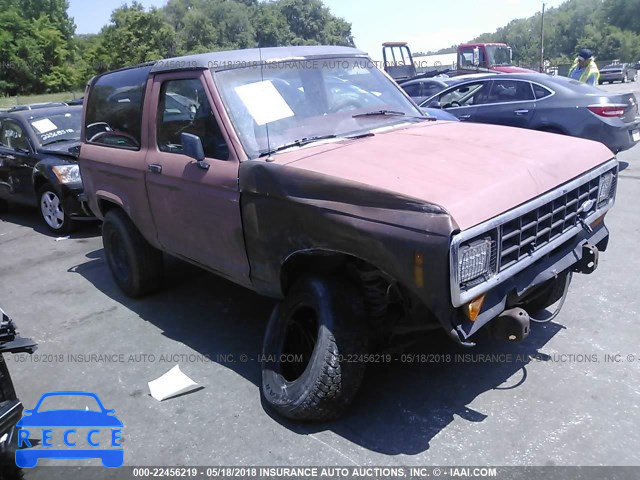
x=471 y=58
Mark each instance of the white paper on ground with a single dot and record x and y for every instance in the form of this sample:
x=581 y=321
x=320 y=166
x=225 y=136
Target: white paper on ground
x=172 y=383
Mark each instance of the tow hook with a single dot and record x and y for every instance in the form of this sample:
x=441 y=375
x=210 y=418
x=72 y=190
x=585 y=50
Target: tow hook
x=589 y=261
x=512 y=325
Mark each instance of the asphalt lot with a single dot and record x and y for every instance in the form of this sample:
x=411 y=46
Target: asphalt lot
x=566 y=405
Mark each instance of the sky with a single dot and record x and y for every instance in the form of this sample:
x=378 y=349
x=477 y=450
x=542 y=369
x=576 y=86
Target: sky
x=425 y=24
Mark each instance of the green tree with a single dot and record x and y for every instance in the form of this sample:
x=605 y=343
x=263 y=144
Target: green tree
x=133 y=36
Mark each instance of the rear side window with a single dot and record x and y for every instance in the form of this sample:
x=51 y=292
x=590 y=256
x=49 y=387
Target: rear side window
x=540 y=91
x=510 y=91
x=412 y=90
x=114 y=108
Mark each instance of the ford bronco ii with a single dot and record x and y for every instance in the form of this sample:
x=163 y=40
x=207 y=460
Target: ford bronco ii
x=307 y=175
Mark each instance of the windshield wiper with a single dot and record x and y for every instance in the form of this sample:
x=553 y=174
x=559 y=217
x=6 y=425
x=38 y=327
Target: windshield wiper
x=60 y=140
x=377 y=113
x=297 y=143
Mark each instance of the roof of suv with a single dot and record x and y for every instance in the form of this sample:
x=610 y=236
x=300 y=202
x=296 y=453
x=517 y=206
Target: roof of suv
x=43 y=112
x=237 y=58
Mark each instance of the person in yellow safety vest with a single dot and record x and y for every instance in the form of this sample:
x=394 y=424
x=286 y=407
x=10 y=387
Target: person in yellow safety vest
x=584 y=69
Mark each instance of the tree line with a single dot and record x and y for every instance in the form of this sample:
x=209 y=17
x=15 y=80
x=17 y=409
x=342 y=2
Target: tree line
x=40 y=53
x=610 y=28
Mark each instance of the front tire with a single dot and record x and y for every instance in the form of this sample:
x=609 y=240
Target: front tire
x=136 y=266
x=52 y=211
x=4 y=206
x=311 y=368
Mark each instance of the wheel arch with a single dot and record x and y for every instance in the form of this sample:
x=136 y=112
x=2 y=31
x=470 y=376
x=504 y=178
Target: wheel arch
x=317 y=261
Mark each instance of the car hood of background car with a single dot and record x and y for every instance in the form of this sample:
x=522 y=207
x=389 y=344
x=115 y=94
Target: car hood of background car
x=473 y=171
x=68 y=149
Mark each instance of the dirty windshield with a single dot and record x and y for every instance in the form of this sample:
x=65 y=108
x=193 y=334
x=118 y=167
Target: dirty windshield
x=278 y=104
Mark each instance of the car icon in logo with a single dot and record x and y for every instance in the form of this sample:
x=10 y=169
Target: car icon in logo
x=39 y=420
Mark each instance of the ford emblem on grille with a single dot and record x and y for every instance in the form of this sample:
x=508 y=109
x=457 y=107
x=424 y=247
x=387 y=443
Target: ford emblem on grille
x=587 y=206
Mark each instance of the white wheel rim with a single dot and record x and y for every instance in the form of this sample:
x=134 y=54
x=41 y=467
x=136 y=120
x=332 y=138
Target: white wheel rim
x=51 y=209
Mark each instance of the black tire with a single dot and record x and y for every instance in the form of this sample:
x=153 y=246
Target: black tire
x=136 y=266
x=4 y=206
x=52 y=211
x=322 y=319
x=548 y=294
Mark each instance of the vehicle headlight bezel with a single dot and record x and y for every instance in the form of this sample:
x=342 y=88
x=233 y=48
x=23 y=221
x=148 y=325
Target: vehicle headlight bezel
x=475 y=260
x=67 y=173
x=605 y=188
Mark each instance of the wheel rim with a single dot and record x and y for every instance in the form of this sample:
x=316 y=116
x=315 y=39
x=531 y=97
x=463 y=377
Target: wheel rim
x=52 y=210
x=300 y=339
x=118 y=257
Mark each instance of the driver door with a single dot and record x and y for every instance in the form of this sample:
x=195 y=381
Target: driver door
x=16 y=162
x=196 y=211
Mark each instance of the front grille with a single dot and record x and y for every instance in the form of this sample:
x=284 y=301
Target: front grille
x=527 y=233
x=532 y=230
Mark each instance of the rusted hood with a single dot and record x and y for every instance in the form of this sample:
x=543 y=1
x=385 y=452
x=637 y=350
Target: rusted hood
x=474 y=171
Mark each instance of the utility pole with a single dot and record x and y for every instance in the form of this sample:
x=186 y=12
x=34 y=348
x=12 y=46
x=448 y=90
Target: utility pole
x=542 y=41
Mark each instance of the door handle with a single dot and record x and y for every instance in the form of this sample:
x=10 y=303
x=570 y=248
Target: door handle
x=155 y=168
x=464 y=117
x=521 y=112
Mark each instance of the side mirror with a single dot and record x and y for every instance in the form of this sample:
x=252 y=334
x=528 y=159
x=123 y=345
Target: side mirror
x=192 y=147
x=476 y=56
x=433 y=104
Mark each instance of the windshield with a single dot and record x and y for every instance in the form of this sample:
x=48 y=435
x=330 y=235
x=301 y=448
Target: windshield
x=58 y=127
x=277 y=104
x=69 y=402
x=498 y=56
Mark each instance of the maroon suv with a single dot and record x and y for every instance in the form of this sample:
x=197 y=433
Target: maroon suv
x=307 y=175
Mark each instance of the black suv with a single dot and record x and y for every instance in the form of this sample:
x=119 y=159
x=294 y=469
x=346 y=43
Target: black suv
x=39 y=147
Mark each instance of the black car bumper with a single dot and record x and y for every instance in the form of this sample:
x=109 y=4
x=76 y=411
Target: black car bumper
x=74 y=202
x=615 y=134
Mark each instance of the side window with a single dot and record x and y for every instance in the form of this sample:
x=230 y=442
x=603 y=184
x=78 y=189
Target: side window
x=184 y=108
x=510 y=91
x=540 y=91
x=465 y=95
x=430 y=89
x=13 y=136
x=412 y=90
x=114 y=108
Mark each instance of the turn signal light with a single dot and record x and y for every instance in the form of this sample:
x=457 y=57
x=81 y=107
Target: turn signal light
x=473 y=308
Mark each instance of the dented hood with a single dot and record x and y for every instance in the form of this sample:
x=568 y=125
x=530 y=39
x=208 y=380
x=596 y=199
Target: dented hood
x=473 y=171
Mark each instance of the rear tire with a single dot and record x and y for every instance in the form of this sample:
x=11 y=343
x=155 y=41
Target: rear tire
x=4 y=206
x=136 y=266
x=52 y=211
x=322 y=321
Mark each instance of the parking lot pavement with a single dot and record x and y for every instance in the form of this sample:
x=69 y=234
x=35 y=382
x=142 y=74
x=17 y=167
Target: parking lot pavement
x=568 y=395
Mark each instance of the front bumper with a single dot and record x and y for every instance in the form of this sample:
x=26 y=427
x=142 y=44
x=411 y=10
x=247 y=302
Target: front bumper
x=546 y=268
x=74 y=202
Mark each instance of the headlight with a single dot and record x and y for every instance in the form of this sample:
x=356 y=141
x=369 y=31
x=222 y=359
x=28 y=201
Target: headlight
x=67 y=173
x=474 y=260
x=604 y=193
